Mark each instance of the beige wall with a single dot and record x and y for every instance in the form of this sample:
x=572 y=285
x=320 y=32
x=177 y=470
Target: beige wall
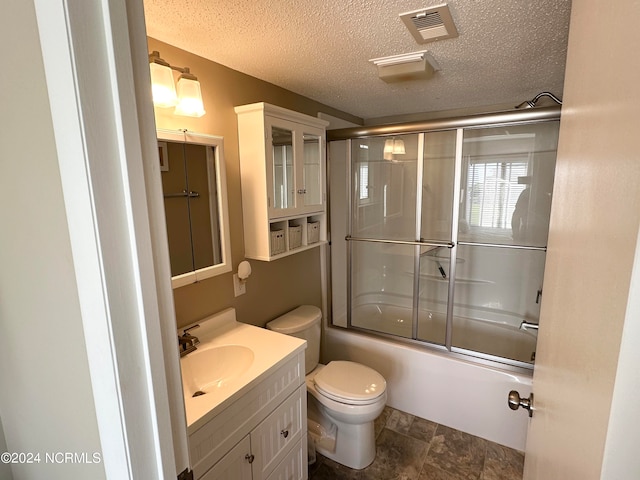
x=274 y=287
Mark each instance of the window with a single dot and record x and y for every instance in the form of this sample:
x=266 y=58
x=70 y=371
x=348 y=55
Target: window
x=363 y=172
x=493 y=188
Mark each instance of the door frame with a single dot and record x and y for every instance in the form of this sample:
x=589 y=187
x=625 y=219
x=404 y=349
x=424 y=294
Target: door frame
x=96 y=68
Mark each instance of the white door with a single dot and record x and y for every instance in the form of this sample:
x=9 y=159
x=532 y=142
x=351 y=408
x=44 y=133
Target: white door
x=578 y=430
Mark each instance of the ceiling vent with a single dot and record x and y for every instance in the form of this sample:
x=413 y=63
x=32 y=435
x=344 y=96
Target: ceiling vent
x=408 y=66
x=430 y=24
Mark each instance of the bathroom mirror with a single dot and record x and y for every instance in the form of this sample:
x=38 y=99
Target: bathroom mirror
x=195 y=202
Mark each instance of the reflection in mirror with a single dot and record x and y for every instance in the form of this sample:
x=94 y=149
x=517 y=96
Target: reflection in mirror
x=195 y=200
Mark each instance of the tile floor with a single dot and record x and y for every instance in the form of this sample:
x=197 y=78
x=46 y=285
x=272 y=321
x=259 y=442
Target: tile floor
x=411 y=448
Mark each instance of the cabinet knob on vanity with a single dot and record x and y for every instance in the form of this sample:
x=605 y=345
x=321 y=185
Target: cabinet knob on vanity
x=284 y=433
x=249 y=457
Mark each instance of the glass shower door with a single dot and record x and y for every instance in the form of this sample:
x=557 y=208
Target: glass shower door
x=507 y=181
x=383 y=203
x=447 y=234
x=436 y=212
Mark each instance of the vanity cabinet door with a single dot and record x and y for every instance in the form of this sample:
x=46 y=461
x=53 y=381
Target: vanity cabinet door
x=294 y=465
x=234 y=465
x=275 y=437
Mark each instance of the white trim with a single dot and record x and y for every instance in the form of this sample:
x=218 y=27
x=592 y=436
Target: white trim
x=88 y=66
x=157 y=224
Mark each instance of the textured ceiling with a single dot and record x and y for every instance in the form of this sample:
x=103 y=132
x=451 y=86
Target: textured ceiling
x=506 y=52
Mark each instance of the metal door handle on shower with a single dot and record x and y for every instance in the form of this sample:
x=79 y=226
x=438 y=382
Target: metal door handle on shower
x=349 y=238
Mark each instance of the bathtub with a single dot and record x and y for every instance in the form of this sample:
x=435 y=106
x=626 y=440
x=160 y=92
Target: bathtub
x=495 y=334
x=441 y=387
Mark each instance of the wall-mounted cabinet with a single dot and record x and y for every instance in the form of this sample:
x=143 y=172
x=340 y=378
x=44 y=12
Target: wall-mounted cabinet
x=283 y=173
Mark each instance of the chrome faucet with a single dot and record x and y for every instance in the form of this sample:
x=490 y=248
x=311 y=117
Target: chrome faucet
x=187 y=342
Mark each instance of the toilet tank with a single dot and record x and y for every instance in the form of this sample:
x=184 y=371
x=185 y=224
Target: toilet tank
x=302 y=322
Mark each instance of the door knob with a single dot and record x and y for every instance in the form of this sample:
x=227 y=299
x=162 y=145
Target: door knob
x=516 y=402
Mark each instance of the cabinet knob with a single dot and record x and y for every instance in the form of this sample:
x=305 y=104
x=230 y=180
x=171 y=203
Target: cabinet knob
x=284 y=433
x=249 y=458
x=302 y=191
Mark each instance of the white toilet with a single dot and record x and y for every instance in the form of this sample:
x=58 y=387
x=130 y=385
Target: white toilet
x=343 y=398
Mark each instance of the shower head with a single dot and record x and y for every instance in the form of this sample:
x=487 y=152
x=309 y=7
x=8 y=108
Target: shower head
x=532 y=103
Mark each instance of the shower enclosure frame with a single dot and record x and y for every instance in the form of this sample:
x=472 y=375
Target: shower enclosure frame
x=458 y=124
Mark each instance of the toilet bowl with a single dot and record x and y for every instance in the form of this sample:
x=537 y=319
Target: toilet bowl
x=353 y=414
x=347 y=395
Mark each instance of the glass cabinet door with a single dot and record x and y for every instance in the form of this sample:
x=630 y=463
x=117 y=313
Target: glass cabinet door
x=312 y=171
x=283 y=168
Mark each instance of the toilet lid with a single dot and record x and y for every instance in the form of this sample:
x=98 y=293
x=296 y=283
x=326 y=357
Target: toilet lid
x=350 y=382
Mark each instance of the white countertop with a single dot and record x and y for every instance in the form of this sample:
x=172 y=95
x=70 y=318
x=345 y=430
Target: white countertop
x=270 y=350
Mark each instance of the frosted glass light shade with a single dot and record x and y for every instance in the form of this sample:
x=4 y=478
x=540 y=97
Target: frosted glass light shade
x=393 y=147
x=388 y=146
x=162 y=86
x=189 y=98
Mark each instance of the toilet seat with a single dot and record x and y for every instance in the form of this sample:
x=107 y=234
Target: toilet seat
x=349 y=382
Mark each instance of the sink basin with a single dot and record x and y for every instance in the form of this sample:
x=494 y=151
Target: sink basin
x=209 y=369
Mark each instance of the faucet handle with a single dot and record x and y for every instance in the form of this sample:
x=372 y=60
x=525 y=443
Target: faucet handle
x=191 y=338
x=184 y=332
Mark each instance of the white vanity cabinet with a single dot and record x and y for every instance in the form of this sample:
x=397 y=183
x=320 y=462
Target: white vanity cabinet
x=261 y=434
x=283 y=173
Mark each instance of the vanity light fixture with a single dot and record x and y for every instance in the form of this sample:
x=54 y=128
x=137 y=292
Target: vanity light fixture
x=187 y=99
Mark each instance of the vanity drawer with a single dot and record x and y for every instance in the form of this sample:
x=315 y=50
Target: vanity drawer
x=276 y=436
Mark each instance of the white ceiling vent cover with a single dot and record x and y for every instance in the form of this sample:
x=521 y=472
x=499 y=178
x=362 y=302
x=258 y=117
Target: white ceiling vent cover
x=430 y=24
x=407 y=66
